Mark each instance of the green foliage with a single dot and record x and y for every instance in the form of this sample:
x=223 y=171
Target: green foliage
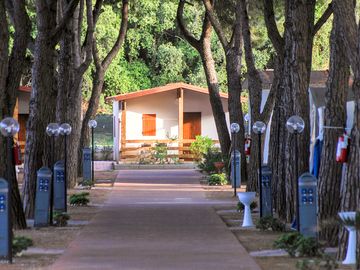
x=241 y=207
x=269 y=222
x=217 y=179
x=296 y=244
x=80 y=199
x=61 y=219
x=200 y=147
x=207 y=163
x=325 y=262
x=159 y=153
x=20 y=243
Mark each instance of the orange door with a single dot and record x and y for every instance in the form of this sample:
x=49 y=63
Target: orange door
x=192 y=124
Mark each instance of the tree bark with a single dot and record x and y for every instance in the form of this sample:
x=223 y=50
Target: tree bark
x=233 y=53
x=329 y=183
x=44 y=94
x=294 y=51
x=203 y=46
x=255 y=95
x=10 y=75
x=74 y=60
x=350 y=194
x=98 y=79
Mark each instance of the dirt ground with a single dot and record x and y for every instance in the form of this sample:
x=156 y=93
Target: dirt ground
x=252 y=239
x=54 y=239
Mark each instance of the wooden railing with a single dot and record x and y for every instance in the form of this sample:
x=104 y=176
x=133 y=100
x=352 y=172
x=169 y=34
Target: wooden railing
x=145 y=150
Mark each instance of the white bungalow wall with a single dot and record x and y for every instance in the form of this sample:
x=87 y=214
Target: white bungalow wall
x=165 y=106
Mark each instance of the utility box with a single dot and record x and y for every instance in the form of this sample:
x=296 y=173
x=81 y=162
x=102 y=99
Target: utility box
x=87 y=163
x=266 y=202
x=59 y=186
x=308 y=204
x=237 y=168
x=4 y=219
x=42 y=200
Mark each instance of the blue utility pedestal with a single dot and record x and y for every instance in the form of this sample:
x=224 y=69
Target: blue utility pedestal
x=5 y=236
x=308 y=204
x=59 y=186
x=266 y=203
x=87 y=164
x=237 y=168
x=42 y=201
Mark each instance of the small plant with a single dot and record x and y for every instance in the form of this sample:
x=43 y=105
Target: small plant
x=86 y=183
x=106 y=152
x=200 y=146
x=241 y=207
x=21 y=243
x=217 y=179
x=325 y=262
x=269 y=222
x=80 y=199
x=296 y=244
x=160 y=152
x=211 y=156
x=61 y=219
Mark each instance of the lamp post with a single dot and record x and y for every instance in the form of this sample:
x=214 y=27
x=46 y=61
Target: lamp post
x=52 y=130
x=234 y=128
x=92 y=124
x=295 y=125
x=65 y=130
x=8 y=128
x=259 y=128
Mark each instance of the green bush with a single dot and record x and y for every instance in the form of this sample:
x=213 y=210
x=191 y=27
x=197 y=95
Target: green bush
x=80 y=199
x=217 y=179
x=160 y=153
x=296 y=244
x=61 y=219
x=325 y=262
x=241 y=207
x=211 y=156
x=200 y=147
x=269 y=222
x=20 y=243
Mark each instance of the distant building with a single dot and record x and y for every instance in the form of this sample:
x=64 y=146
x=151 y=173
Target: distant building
x=174 y=114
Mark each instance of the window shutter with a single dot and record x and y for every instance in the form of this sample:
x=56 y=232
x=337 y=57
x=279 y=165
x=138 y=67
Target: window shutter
x=149 y=125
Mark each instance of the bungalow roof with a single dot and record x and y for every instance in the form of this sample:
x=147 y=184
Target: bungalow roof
x=165 y=88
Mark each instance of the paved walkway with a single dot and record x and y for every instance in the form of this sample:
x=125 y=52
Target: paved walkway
x=158 y=219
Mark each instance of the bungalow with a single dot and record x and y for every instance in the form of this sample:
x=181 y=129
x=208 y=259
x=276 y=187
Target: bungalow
x=317 y=91
x=174 y=114
x=21 y=114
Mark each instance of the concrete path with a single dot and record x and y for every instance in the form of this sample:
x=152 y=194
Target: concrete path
x=158 y=219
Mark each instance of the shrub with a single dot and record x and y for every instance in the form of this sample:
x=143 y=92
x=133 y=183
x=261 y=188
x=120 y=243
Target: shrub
x=296 y=244
x=211 y=156
x=80 y=199
x=20 y=243
x=325 y=262
x=61 y=219
x=200 y=146
x=217 y=179
x=160 y=152
x=241 y=207
x=269 y=222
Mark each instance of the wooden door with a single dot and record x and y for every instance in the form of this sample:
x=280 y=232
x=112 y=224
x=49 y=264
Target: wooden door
x=192 y=125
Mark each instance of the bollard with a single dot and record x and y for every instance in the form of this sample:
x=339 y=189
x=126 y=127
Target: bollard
x=87 y=176
x=238 y=168
x=266 y=191
x=59 y=186
x=308 y=205
x=5 y=231
x=42 y=200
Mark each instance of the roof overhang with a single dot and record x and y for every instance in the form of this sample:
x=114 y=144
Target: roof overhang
x=165 y=88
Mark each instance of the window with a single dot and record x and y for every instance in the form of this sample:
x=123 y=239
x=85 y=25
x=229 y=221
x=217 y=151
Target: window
x=149 y=125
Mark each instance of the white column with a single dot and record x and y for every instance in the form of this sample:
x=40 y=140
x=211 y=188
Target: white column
x=116 y=130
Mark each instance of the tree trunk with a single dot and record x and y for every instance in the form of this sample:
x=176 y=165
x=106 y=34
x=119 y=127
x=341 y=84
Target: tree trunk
x=203 y=46
x=10 y=75
x=214 y=96
x=42 y=101
x=350 y=195
x=329 y=183
x=293 y=99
